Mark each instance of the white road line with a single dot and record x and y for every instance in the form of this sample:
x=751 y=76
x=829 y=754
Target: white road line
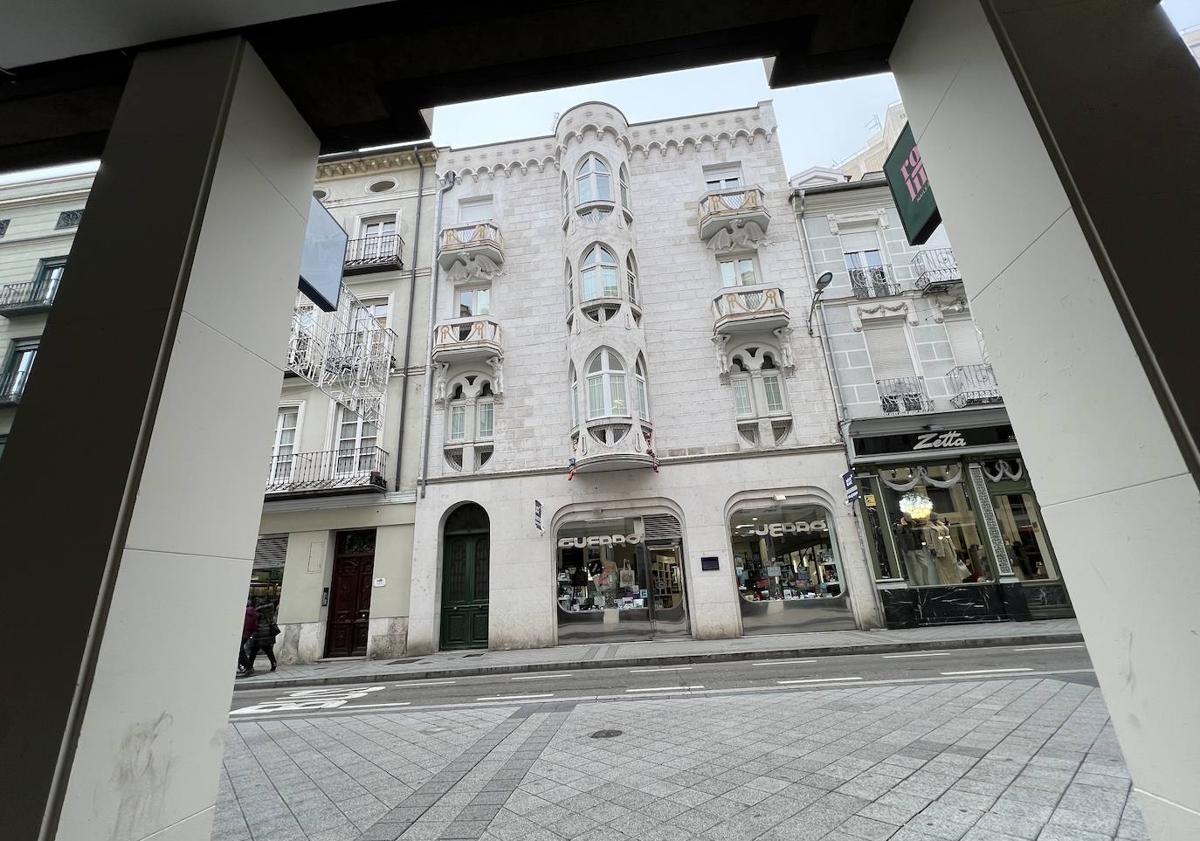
x=666 y=689
x=923 y=654
x=984 y=672
x=818 y=680
x=1046 y=647
x=515 y=697
x=778 y=662
x=365 y=706
x=540 y=677
x=426 y=683
x=664 y=669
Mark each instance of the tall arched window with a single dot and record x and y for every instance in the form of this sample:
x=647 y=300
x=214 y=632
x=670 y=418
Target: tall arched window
x=570 y=287
x=598 y=274
x=639 y=384
x=606 y=395
x=574 y=398
x=593 y=181
x=623 y=176
x=631 y=277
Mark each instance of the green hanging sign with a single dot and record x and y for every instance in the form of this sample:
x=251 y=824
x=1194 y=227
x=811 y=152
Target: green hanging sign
x=910 y=188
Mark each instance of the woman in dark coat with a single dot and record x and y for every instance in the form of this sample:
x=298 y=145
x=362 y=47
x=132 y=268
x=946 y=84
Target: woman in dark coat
x=264 y=636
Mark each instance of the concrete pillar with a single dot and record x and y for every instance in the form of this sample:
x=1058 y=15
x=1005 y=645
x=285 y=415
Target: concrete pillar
x=1062 y=141
x=133 y=478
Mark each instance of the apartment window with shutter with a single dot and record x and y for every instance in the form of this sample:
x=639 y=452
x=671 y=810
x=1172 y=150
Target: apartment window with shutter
x=889 y=353
x=964 y=341
x=478 y=209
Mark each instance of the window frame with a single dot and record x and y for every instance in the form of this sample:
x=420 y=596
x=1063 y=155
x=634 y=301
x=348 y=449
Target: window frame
x=717 y=176
x=587 y=273
x=734 y=260
x=339 y=420
x=469 y=202
x=641 y=388
x=593 y=177
x=276 y=455
x=631 y=277
x=609 y=379
x=17 y=349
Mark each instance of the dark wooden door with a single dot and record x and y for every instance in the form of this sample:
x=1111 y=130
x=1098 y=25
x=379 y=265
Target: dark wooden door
x=465 y=591
x=350 y=595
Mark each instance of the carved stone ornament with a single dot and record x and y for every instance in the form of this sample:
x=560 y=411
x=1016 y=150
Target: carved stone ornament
x=875 y=217
x=740 y=235
x=470 y=267
x=881 y=311
x=720 y=341
x=786 y=355
x=440 y=369
x=497 y=364
x=949 y=305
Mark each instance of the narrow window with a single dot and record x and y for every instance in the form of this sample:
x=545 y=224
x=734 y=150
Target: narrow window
x=486 y=412
x=741 y=398
x=606 y=385
x=16 y=372
x=458 y=422
x=624 y=179
x=283 y=451
x=593 y=181
x=639 y=375
x=774 y=393
x=598 y=273
x=574 y=398
x=631 y=277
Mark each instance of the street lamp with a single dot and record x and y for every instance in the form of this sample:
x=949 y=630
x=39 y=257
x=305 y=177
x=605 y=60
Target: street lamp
x=823 y=281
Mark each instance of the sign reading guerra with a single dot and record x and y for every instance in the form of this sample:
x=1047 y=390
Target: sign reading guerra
x=906 y=178
x=780 y=529
x=599 y=540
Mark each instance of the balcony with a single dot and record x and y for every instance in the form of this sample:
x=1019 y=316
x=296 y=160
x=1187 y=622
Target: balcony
x=329 y=472
x=27 y=298
x=749 y=308
x=612 y=443
x=467 y=339
x=374 y=254
x=903 y=396
x=936 y=270
x=12 y=386
x=478 y=248
x=873 y=282
x=740 y=212
x=974 y=385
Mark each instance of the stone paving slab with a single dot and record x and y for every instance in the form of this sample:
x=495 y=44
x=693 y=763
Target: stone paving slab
x=666 y=652
x=997 y=760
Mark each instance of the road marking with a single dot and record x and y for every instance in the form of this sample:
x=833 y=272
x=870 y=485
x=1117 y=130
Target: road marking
x=426 y=683
x=984 y=672
x=365 y=706
x=666 y=689
x=541 y=677
x=1047 y=647
x=515 y=697
x=924 y=654
x=664 y=669
x=779 y=662
x=818 y=680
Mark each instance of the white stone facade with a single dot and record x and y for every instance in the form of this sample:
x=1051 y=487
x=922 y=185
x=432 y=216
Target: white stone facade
x=704 y=464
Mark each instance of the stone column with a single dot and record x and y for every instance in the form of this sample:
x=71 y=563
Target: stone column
x=1062 y=141
x=133 y=479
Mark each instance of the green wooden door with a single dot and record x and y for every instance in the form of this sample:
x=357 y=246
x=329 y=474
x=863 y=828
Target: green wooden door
x=465 y=591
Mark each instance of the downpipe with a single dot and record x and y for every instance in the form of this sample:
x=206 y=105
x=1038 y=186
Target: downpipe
x=422 y=480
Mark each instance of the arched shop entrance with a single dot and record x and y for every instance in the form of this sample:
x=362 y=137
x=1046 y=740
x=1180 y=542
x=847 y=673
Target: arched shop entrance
x=466 y=541
x=620 y=579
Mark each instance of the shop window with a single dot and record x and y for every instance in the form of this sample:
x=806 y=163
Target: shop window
x=934 y=525
x=784 y=552
x=1025 y=540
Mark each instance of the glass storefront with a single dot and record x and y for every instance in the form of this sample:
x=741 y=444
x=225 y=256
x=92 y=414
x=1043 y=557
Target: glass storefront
x=1024 y=538
x=788 y=573
x=613 y=585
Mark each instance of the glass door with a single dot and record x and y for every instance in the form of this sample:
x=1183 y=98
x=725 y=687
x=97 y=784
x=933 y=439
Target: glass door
x=668 y=601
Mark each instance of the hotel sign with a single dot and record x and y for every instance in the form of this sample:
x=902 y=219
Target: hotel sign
x=910 y=188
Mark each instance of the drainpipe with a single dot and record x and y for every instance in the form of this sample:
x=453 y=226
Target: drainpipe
x=412 y=300
x=836 y=388
x=433 y=296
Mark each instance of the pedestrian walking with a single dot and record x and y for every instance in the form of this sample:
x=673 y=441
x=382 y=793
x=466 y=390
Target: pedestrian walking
x=249 y=626
x=263 y=638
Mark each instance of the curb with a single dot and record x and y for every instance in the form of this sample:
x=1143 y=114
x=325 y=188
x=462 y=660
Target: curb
x=663 y=660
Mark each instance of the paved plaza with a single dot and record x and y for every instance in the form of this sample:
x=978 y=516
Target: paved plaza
x=986 y=760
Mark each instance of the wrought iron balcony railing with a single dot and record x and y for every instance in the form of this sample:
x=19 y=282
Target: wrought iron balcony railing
x=12 y=386
x=374 y=253
x=328 y=472
x=935 y=269
x=29 y=297
x=746 y=206
x=873 y=282
x=974 y=385
x=903 y=395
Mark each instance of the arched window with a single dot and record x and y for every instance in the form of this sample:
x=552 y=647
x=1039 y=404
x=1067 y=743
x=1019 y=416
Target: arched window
x=574 y=398
x=623 y=176
x=639 y=384
x=598 y=274
x=631 y=277
x=566 y=194
x=593 y=181
x=471 y=422
x=606 y=395
x=570 y=287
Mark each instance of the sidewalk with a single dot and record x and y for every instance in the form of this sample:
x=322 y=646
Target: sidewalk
x=665 y=652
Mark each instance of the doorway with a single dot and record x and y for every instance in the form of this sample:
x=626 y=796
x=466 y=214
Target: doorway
x=350 y=594
x=466 y=548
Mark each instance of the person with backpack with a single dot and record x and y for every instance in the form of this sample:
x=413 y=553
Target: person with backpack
x=263 y=638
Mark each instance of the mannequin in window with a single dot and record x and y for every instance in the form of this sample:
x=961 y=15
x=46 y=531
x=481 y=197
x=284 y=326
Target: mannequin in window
x=918 y=558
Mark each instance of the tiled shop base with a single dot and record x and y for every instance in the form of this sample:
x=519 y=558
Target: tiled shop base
x=1000 y=760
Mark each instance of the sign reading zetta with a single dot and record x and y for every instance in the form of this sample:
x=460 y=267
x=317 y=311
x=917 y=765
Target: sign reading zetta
x=910 y=188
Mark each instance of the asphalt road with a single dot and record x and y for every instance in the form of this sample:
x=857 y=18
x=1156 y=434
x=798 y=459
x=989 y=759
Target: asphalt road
x=1065 y=661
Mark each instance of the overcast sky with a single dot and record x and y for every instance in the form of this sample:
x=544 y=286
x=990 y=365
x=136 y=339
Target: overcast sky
x=818 y=124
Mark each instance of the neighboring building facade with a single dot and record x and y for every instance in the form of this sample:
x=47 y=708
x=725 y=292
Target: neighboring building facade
x=951 y=516
x=870 y=158
x=337 y=523
x=627 y=437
